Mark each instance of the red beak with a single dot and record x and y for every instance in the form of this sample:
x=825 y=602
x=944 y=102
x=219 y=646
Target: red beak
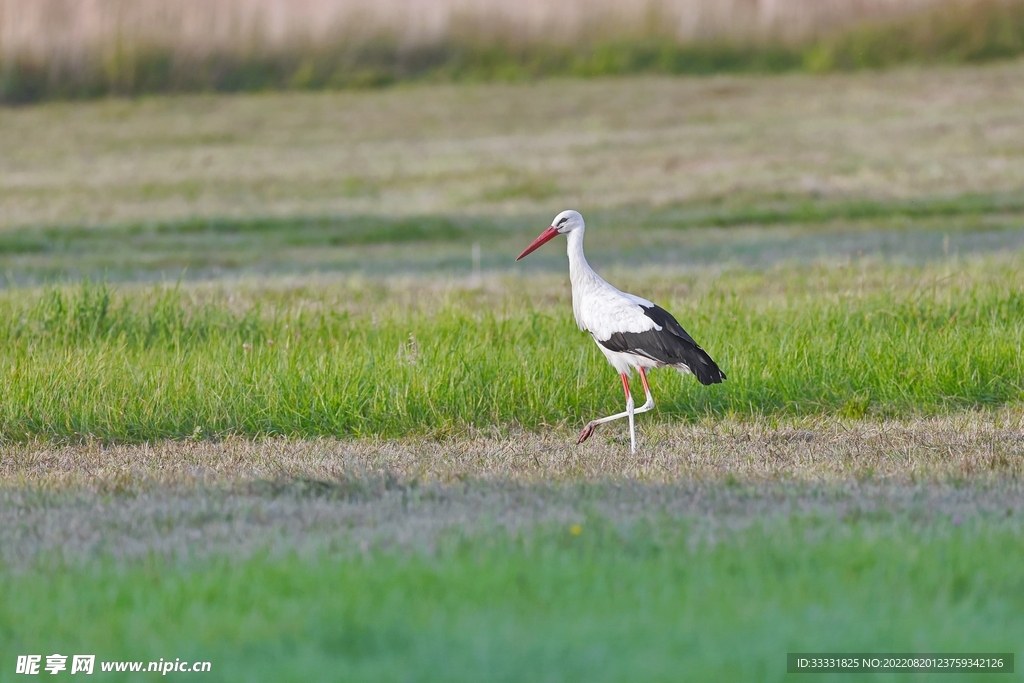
x=541 y=239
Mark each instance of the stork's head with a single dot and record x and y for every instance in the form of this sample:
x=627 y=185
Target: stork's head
x=564 y=223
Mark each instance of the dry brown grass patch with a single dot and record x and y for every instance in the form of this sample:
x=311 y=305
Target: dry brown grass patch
x=969 y=447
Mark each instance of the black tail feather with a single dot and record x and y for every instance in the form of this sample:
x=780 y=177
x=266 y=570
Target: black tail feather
x=698 y=362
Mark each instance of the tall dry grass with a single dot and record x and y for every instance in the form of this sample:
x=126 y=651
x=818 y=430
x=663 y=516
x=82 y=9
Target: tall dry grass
x=73 y=28
x=89 y=47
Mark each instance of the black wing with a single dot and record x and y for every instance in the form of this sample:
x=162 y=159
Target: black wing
x=670 y=345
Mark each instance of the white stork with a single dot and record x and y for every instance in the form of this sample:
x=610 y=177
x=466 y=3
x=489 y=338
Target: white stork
x=630 y=331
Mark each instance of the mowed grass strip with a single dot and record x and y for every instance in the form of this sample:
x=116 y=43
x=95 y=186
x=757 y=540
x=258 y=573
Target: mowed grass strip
x=587 y=601
x=977 y=446
x=181 y=173
x=146 y=364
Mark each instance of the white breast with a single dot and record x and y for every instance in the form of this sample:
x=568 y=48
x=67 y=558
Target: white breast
x=603 y=311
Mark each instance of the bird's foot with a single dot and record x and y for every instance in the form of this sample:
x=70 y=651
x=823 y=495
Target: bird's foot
x=587 y=432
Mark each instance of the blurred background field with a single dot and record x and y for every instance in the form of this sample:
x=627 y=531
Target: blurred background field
x=912 y=164
x=578 y=596
x=62 y=48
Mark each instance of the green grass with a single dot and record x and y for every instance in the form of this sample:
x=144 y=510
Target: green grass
x=655 y=602
x=359 y=360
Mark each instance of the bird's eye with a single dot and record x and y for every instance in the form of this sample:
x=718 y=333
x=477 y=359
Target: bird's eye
x=562 y=222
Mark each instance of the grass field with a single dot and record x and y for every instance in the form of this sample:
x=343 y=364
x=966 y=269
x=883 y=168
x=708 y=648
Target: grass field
x=712 y=553
x=258 y=408
x=371 y=361
x=605 y=604
x=517 y=150
x=863 y=494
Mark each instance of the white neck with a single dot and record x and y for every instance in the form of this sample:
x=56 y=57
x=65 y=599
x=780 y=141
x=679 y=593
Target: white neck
x=583 y=278
x=579 y=269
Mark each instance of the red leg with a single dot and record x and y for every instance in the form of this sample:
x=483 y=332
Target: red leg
x=588 y=431
x=649 y=402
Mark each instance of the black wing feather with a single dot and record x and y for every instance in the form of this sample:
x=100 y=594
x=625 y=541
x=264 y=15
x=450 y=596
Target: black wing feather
x=670 y=345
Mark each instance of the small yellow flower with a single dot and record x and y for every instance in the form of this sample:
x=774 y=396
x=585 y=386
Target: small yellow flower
x=575 y=530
